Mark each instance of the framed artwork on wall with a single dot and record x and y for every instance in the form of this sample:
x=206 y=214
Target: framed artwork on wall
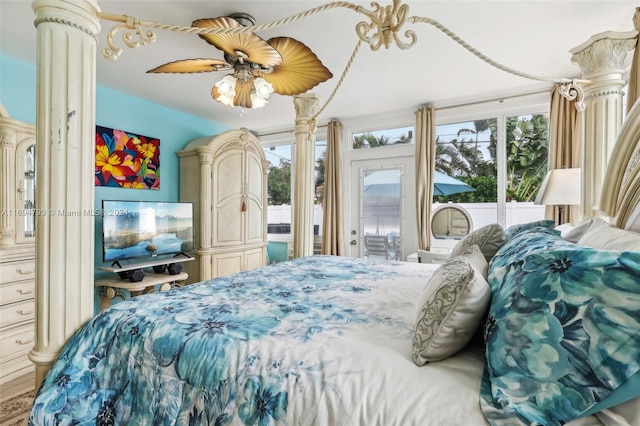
x=127 y=160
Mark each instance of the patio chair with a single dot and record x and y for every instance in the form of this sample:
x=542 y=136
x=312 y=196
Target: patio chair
x=377 y=245
x=397 y=247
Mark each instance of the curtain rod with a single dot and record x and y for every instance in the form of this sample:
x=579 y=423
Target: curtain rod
x=500 y=99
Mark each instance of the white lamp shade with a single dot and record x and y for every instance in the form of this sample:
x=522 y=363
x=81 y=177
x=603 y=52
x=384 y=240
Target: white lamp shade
x=263 y=87
x=226 y=90
x=257 y=101
x=560 y=187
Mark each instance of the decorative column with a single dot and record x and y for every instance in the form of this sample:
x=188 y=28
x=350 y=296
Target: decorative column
x=601 y=59
x=65 y=133
x=306 y=106
x=206 y=193
x=7 y=186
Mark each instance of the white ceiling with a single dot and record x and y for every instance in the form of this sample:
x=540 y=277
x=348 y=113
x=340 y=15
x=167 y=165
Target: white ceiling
x=530 y=36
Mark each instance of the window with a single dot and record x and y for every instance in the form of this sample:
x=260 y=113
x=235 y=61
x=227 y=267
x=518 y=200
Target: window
x=280 y=183
x=320 y=156
x=279 y=190
x=527 y=152
x=468 y=151
x=383 y=138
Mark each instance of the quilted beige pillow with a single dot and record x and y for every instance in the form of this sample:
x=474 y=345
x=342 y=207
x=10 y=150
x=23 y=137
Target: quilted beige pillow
x=451 y=308
x=489 y=238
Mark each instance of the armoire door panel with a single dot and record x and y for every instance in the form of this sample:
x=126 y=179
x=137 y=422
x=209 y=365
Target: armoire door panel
x=227 y=181
x=255 y=224
x=255 y=258
x=255 y=177
x=227 y=263
x=228 y=223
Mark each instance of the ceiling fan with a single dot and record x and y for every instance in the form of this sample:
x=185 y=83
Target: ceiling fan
x=281 y=64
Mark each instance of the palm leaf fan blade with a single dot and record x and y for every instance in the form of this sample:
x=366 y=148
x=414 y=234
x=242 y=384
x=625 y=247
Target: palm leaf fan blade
x=256 y=49
x=300 y=69
x=192 y=66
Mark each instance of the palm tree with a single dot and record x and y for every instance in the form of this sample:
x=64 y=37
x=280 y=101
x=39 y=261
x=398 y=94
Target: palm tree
x=450 y=161
x=527 y=152
x=479 y=126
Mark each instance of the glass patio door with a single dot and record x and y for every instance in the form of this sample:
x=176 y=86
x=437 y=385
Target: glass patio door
x=379 y=208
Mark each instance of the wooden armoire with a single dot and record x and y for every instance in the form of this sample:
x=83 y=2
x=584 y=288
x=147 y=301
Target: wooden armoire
x=225 y=177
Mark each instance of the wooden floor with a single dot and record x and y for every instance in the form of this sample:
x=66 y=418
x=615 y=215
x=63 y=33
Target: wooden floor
x=17 y=386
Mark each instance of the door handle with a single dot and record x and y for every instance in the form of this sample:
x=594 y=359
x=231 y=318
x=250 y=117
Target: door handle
x=353 y=242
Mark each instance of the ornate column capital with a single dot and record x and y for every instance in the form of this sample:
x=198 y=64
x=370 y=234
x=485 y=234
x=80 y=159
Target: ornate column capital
x=7 y=139
x=306 y=105
x=604 y=53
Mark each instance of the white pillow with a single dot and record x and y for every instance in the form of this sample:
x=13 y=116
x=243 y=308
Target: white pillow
x=451 y=308
x=564 y=229
x=573 y=233
x=601 y=235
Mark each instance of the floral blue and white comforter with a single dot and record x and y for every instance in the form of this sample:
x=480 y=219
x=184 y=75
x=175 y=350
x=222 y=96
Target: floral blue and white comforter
x=315 y=341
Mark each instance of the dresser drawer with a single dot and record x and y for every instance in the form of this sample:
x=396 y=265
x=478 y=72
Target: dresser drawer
x=17 y=312
x=17 y=271
x=15 y=292
x=16 y=342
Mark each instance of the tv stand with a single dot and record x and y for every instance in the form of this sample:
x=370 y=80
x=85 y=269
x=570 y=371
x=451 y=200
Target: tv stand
x=111 y=288
x=116 y=267
x=165 y=273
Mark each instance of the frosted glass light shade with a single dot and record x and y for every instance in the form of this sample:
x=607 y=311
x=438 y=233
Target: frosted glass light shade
x=226 y=90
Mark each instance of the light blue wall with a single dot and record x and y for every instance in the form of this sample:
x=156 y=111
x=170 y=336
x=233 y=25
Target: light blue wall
x=120 y=111
x=18 y=89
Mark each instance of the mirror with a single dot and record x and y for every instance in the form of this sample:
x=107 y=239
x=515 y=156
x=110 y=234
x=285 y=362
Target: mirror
x=28 y=190
x=450 y=222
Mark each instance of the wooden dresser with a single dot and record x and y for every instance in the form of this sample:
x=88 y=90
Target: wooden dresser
x=17 y=247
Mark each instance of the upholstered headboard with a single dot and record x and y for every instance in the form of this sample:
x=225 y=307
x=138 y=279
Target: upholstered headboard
x=620 y=196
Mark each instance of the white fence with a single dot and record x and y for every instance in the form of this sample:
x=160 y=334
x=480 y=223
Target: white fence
x=481 y=213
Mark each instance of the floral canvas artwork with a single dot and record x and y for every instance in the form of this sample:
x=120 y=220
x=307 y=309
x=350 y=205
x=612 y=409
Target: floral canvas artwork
x=126 y=160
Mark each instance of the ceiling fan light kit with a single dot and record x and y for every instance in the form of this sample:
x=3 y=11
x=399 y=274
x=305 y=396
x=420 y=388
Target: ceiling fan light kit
x=284 y=65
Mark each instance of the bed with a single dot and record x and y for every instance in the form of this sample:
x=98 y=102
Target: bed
x=327 y=340
x=529 y=325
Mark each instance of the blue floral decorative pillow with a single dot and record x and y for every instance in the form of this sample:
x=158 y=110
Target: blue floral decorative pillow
x=522 y=243
x=563 y=330
x=522 y=227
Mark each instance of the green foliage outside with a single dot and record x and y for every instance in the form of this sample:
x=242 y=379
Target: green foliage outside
x=527 y=145
x=462 y=158
x=279 y=183
x=527 y=154
x=369 y=140
x=486 y=191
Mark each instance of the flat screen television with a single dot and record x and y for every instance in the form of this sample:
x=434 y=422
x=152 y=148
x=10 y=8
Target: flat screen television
x=139 y=229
